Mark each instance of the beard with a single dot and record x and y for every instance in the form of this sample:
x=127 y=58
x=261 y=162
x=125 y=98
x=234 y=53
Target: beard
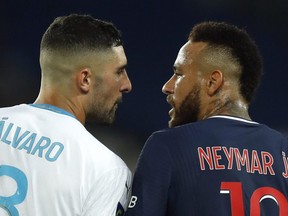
x=188 y=110
x=103 y=115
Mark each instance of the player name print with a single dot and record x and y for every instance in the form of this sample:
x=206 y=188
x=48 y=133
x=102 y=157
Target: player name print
x=285 y=160
x=252 y=161
x=32 y=143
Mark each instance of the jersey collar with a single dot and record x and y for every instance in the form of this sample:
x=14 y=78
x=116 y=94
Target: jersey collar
x=234 y=118
x=53 y=109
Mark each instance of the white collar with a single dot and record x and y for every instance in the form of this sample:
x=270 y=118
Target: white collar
x=234 y=118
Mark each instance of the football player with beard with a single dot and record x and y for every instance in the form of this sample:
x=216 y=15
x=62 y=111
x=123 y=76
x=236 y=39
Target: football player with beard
x=213 y=160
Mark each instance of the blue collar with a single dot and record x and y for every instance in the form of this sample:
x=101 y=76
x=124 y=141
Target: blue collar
x=53 y=108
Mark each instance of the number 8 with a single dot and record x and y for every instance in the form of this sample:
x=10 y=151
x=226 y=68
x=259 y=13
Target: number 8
x=8 y=203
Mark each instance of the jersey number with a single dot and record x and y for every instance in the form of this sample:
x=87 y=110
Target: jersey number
x=8 y=203
x=236 y=199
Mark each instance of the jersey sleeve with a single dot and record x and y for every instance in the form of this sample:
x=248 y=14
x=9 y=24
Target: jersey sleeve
x=110 y=194
x=151 y=180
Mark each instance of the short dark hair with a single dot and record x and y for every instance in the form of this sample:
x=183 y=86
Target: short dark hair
x=76 y=32
x=243 y=49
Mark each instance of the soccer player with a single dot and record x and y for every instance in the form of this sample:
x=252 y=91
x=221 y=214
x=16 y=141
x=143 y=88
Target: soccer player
x=213 y=160
x=49 y=163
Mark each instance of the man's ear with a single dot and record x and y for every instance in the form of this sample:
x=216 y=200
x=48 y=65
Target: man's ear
x=215 y=81
x=84 y=78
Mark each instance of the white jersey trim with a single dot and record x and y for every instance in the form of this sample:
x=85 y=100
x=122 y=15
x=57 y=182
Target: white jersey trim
x=234 y=118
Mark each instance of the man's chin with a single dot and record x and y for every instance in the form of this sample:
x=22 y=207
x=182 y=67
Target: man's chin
x=108 y=120
x=171 y=123
x=176 y=122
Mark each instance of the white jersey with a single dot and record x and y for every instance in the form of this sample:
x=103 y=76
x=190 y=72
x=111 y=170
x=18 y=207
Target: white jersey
x=50 y=165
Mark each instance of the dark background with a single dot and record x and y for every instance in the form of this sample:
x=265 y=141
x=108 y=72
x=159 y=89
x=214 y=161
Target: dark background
x=153 y=32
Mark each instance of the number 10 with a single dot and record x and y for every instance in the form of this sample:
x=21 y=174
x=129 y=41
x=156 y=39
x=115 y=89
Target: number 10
x=236 y=198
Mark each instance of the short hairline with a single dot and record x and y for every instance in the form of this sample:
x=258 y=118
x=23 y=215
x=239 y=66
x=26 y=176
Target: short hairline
x=223 y=52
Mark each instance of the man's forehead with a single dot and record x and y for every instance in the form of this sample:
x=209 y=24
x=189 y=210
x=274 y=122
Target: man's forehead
x=119 y=53
x=189 y=51
x=115 y=54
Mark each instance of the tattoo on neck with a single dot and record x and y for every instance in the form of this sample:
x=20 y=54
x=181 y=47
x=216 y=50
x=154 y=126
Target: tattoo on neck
x=222 y=106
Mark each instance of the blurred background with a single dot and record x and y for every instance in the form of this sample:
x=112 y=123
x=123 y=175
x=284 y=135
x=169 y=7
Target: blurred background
x=153 y=32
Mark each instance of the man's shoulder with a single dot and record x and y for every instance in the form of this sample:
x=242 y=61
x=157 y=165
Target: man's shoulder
x=13 y=108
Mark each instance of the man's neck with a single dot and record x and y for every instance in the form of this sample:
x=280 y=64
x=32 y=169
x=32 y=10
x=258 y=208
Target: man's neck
x=64 y=104
x=227 y=107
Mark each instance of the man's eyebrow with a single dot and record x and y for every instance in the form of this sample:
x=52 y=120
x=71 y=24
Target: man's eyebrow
x=123 y=67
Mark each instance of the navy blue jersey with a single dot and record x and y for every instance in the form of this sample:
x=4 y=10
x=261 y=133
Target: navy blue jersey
x=219 y=166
